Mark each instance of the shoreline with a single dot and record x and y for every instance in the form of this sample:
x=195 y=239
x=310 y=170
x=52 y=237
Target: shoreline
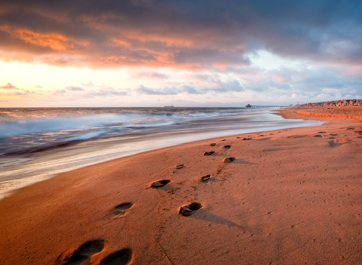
x=291 y=195
x=38 y=166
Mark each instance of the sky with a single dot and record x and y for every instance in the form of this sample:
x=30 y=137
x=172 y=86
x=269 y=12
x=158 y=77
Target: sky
x=135 y=53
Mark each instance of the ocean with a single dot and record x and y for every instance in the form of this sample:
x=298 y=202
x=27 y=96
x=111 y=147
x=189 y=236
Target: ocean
x=37 y=143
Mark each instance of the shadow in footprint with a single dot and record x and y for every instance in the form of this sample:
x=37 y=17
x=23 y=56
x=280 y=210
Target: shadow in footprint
x=121 y=208
x=180 y=166
x=91 y=247
x=120 y=257
x=76 y=259
x=333 y=143
x=205 y=178
x=82 y=254
x=188 y=210
x=228 y=159
x=338 y=142
x=159 y=183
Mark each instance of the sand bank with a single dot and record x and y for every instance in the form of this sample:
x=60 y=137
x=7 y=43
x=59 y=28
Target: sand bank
x=290 y=196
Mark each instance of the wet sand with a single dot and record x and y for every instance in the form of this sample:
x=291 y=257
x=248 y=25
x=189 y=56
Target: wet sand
x=291 y=196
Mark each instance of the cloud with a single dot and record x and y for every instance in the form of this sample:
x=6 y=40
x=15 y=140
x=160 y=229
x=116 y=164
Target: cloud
x=108 y=93
x=20 y=93
x=157 y=91
x=221 y=87
x=59 y=92
x=89 y=83
x=74 y=88
x=203 y=48
x=179 y=34
x=150 y=74
x=9 y=86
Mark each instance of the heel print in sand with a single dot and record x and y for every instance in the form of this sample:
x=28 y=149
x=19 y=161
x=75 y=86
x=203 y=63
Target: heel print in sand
x=120 y=257
x=82 y=255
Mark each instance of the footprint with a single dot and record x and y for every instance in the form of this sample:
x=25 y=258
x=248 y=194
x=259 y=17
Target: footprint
x=209 y=153
x=334 y=134
x=321 y=132
x=213 y=144
x=120 y=257
x=338 y=142
x=228 y=159
x=190 y=209
x=333 y=143
x=245 y=139
x=317 y=135
x=121 y=208
x=160 y=183
x=82 y=254
x=179 y=166
x=227 y=146
x=205 y=178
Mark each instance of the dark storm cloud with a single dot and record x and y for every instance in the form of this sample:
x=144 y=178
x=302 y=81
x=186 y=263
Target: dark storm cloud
x=180 y=34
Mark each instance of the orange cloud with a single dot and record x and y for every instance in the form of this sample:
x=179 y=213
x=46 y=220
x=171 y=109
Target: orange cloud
x=170 y=41
x=122 y=42
x=54 y=41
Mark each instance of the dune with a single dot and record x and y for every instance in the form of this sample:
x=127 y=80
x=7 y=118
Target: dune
x=289 y=196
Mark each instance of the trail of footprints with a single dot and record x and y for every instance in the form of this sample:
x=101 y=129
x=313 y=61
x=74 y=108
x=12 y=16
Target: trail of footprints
x=189 y=209
x=334 y=139
x=83 y=254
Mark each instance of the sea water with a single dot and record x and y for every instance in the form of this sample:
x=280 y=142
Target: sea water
x=37 y=143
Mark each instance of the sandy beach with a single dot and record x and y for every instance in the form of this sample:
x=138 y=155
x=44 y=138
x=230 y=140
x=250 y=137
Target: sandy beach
x=291 y=196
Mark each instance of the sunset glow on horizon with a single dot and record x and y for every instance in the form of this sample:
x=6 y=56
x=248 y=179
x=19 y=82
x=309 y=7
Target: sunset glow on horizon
x=155 y=53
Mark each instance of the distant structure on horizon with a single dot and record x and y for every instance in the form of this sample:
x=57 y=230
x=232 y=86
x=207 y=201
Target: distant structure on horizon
x=334 y=103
